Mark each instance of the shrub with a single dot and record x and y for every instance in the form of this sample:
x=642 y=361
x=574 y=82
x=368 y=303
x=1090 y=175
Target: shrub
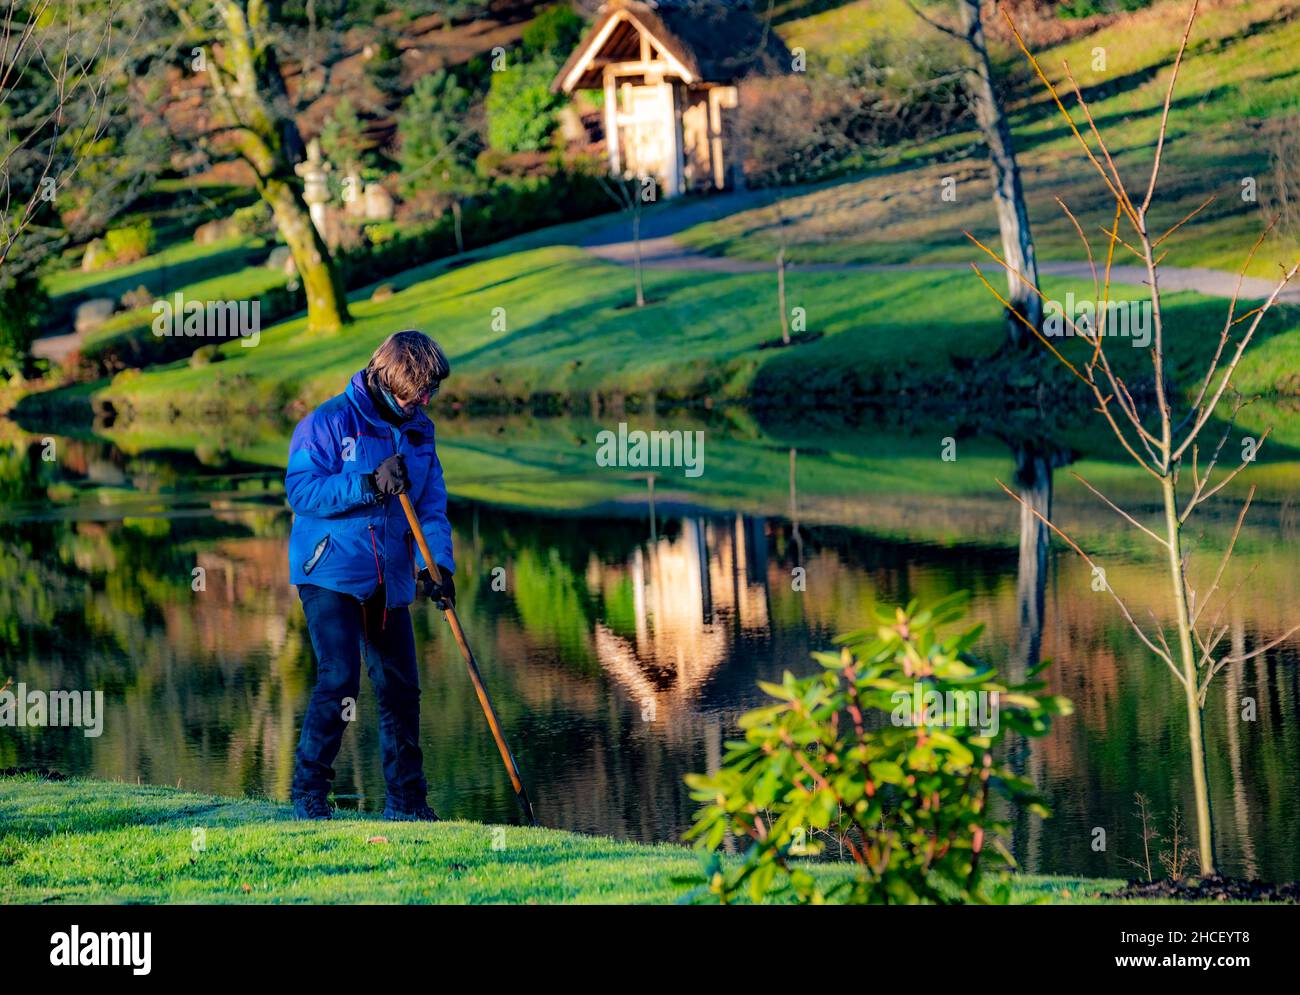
x=383 y=67
x=22 y=306
x=521 y=108
x=876 y=755
x=132 y=242
x=554 y=31
x=851 y=106
x=436 y=149
x=96 y=256
x=140 y=297
x=343 y=136
x=1091 y=8
x=342 y=12
x=509 y=208
x=255 y=219
x=205 y=355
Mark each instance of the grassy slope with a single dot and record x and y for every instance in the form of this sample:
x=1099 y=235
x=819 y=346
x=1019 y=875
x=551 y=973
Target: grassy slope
x=229 y=269
x=568 y=330
x=248 y=283
x=175 y=267
x=95 y=841
x=1237 y=85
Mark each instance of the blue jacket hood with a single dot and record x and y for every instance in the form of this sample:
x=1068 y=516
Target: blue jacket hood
x=359 y=394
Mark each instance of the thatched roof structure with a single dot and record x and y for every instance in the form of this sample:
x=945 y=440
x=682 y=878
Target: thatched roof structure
x=706 y=41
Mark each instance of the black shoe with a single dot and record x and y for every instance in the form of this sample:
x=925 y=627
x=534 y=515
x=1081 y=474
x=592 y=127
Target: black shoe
x=413 y=813
x=311 y=807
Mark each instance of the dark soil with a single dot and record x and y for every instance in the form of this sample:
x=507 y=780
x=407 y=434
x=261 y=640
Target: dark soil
x=44 y=773
x=628 y=305
x=1213 y=889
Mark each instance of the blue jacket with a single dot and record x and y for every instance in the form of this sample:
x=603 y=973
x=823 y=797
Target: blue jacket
x=345 y=537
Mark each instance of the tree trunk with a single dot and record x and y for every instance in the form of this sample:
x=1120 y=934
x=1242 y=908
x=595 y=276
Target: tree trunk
x=636 y=244
x=1034 y=481
x=1008 y=193
x=780 y=294
x=321 y=281
x=249 y=89
x=1035 y=465
x=1187 y=655
x=455 y=217
x=794 y=511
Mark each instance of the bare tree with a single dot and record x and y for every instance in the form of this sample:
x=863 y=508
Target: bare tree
x=788 y=135
x=1284 y=196
x=61 y=66
x=1149 y=833
x=254 y=117
x=1176 y=859
x=58 y=61
x=630 y=193
x=1162 y=441
x=1008 y=189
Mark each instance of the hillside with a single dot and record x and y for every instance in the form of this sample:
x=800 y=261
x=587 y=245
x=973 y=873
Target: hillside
x=702 y=338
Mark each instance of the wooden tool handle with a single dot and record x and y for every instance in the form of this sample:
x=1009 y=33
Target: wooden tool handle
x=480 y=689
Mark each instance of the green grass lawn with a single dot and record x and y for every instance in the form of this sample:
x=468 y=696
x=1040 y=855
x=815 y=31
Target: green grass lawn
x=553 y=321
x=96 y=841
x=169 y=269
x=248 y=282
x=229 y=269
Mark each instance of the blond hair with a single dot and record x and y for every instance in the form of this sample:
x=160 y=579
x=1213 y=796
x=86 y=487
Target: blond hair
x=408 y=364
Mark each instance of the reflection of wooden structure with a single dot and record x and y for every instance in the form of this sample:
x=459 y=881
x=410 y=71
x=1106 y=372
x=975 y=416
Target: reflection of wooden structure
x=670 y=71
x=692 y=596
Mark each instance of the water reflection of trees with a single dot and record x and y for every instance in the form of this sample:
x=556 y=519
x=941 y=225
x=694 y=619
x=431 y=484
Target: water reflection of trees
x=1104 y=673
x=619 y=657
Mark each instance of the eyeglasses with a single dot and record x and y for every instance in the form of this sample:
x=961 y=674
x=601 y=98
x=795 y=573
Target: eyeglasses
x=428 y=395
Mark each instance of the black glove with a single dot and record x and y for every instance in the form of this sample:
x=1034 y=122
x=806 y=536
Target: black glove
x=390 y=476
x=443 y=595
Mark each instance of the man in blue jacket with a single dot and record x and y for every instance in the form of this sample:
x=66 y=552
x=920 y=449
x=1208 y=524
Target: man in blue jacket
x=355 y=562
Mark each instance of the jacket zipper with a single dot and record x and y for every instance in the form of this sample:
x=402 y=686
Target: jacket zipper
x=379 y=571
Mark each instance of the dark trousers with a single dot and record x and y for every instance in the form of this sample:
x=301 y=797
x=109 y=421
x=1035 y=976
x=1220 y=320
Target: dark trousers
x=343 y=630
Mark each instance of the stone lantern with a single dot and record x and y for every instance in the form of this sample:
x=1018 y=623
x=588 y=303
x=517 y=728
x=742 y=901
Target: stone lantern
x=316 y=191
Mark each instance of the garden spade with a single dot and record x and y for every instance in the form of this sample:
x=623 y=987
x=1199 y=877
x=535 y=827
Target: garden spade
x=512 y=768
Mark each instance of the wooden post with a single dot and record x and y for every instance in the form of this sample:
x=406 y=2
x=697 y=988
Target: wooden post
x=611 y=125
x=673 y=140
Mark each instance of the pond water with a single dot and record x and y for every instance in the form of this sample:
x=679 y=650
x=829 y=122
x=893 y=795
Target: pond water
x=622 y=640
